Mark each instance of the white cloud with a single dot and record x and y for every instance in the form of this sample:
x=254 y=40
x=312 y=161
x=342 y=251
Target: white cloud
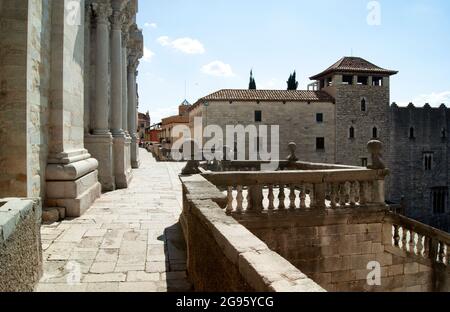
x=218 y=69
x=186 y=45
x=434 y=99
x=151 y=25
x=148 y=55
x=164 y=41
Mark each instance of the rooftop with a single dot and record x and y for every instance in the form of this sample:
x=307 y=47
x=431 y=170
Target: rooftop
x=268 y=95
x=354 y=64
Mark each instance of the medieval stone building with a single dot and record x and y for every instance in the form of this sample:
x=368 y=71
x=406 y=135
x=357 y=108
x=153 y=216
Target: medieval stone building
x=68 y=99
x=347 y=105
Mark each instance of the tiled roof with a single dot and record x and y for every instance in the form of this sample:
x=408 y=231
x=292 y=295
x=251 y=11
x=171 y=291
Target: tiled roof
x=354 y=64
x=268 y=95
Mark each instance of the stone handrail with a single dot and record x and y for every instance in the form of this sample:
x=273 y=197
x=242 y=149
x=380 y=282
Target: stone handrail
x=417 y=239
x=338 y=188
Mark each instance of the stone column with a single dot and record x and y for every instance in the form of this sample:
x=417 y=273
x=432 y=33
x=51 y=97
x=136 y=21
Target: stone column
x=116 y=70
x=71 y=173
x=100 y=143
x=132 y=113
x=125 y=83
x=122 y=155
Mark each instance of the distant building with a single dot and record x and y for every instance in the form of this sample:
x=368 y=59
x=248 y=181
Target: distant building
x=169 y=123
x=144 y=122
x=347 y=105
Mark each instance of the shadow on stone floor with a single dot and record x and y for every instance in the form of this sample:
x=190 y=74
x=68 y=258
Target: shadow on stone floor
x=176 y=256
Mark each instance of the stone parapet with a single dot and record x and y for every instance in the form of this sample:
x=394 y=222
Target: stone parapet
x=20 y=244
x=223 y=255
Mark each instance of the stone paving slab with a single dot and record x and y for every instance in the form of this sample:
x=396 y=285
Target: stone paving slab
x=128 y=241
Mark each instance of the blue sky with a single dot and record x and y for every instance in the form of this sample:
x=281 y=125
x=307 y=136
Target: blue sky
x=208 y=45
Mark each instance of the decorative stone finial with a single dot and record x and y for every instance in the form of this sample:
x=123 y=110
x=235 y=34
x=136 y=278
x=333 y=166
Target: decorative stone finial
x=375 y=147
x=292 y=149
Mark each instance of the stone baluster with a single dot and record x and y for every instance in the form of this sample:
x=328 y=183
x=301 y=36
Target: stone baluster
x=441 y=253
x=404 y=239
x=342 y=195
x=281 y=198
x=240 y=199
x=271 y=198
x=334 y=195
x=229 y=200
x=396 y=236
x=420 y=238
x=412 y=242
x=364 y=197
x=101 y=108
x=352 y=194
x=302 y=197
x=426 y=247
x=319 y=195
x=292 y=197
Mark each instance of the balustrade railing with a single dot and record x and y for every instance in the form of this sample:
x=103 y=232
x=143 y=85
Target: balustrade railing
x=291 y=190
x=417 y=239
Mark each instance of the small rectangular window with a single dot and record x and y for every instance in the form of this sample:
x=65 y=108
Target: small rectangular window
x=377 y=81
x=258 y=116
x=319 y=118
x=428 y=161
x=439 y=197
x=364 y=162
x=363 y=80
x=347 y=79
x=320 y=144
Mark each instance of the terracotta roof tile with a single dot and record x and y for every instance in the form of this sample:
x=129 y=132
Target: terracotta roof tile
x=268 y=95
x=354 y=64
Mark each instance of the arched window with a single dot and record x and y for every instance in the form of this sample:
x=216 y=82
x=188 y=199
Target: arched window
x=363 y=105
x=351 y=133
x=411 y=133
x=375 y=133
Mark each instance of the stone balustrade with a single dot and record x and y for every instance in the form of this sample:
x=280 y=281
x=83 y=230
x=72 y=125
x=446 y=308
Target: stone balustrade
x=416 y=239
x=292 y=190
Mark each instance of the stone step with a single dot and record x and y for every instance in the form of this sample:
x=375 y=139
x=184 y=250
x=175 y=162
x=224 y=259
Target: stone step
x=53 y=214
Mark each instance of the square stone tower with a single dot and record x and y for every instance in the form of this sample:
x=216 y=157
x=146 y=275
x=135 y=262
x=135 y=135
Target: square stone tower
x=362 y=96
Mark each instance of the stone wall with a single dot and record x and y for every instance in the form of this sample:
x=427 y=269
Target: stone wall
x=409 y=177
x=334 y=248
x=297 y=121
x=20 y=245
x=223 y=256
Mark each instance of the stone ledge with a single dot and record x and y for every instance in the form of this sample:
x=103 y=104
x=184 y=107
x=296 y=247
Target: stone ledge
x=72 y=171
x=12 y=212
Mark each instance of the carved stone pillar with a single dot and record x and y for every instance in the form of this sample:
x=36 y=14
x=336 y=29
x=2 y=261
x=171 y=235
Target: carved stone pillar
x=135 y=53
x=125 y=80
x=100 y=143
x=71 y=173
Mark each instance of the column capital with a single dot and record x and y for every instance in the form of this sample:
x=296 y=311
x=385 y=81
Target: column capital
x=102 y=11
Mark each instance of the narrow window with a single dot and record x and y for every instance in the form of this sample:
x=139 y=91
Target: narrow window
x=363 y=105
x=444 y=133
x=439 y=200
x=351 y=133
x=320 y=144
x=319 y=118
x=428 y=161
x=375 y=133
x=411 y=133
x=258 y=116
x=364 y=162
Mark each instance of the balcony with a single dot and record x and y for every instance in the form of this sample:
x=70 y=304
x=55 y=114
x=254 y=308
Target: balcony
x=305 y=227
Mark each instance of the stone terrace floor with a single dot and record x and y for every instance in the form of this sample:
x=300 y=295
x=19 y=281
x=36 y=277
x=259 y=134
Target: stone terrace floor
x=129 y=240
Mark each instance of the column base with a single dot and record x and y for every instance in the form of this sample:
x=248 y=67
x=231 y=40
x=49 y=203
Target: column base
x=135 y=161
x=74 y=186
x=101 y=148
x=122 y=161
